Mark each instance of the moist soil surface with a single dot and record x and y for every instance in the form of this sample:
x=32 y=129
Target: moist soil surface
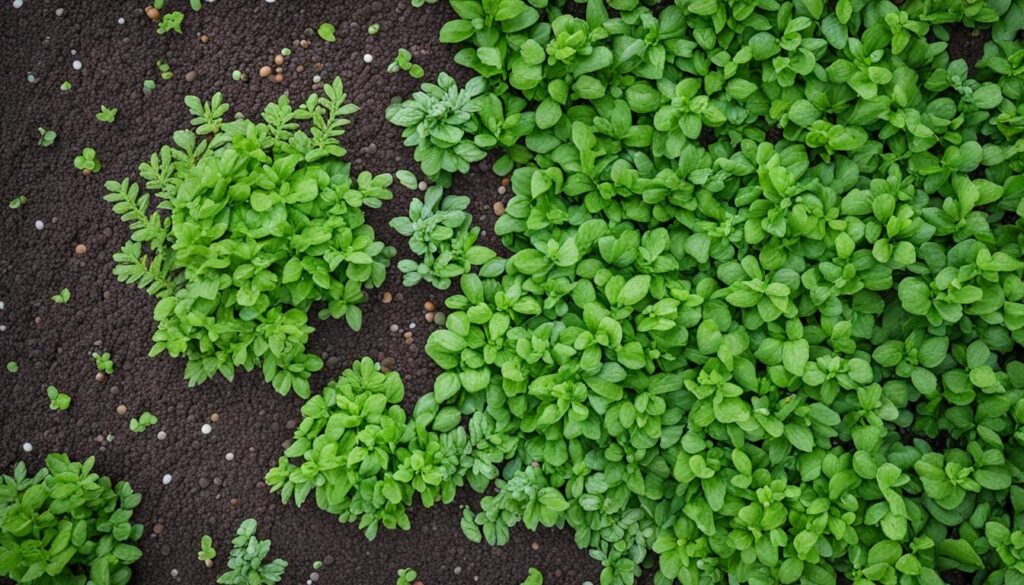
x=51 y=343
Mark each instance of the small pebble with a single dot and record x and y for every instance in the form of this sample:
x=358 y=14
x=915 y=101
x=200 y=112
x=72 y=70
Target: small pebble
x=316 y=79
x=458 y=570
x=412 y=325
x=152 y=13
x=230 y=457
x=17 y=3
x=206 y=429
x=100 y=376
x=407 y=335
x=265 y=71
x=204 y=38
x=158 y=528
x=429 y=306
x=191 y=76
x=167 y=479
x=214 y=417
x=499 y=208
x=27 y=447
x=39 y=224
x=278 y=78
x=393 y=328
x=278 y=59
x=505 y=181
x=81 y=249
x=502 y=190
x=59 y=12
x=535 y=546
x=174 y=573
x=120 y=20
x=386 y=298
x=423 y=185
x=367 y=58
x=429 y=317
x=122 y=410
x=161 y=435
x=76 y=65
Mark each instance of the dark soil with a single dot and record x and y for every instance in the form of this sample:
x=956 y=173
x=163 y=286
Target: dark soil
x=51 y=343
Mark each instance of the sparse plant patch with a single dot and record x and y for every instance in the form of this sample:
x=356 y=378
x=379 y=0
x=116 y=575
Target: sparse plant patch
x=87 y=161
x=143 y=422
x=106 y=114
x=246 y=559
x=58 y=399
x=104 y=363
x=403 y=62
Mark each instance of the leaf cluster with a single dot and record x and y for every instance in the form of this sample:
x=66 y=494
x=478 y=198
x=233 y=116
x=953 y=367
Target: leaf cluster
x=441 y=232
x=246 y=559
x=67 y=524
x=254 y=224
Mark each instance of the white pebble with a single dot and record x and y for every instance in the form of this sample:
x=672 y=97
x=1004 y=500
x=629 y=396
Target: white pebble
x=31 y=78
x=74 y=51
x=502 y=190
x=2 y=305
x=367 y=58
x=3 y=328
x=316 y=79
x=174 y=573
x=423 y=185
x=76 y=65
x=207 y=429
x=39 y=224
x=17 y=3
x=412 y=325
x=27 y=447
x=230 y=456
x=120 y=20
x=167 y=478
x=161 y=435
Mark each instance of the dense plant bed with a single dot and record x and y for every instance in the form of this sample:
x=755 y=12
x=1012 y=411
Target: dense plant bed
x=747 y=306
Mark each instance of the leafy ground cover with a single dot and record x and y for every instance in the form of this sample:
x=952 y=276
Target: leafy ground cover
x=716 y=351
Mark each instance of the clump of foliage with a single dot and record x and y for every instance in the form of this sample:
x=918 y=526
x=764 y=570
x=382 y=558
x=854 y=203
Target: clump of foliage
x=58 y=400
x=406 y=577
x=246 y=559
x=67 y=524
x=106 y=114
x=17 y=202
x=441 y=121
x=441 y=232
x=104 y=363
x=143 y=422
x=533 y=577
x=87 y=161
x=255 y=223
x=63 y=297
x=46 y=137
x=361 y=457
x=762 y=315
x=170 y=21
x=403 y=62
x=326 y=32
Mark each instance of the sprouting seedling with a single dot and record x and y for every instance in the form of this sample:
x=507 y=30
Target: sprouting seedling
x=373 y=29
x=62 y=297
x=103 y=362
x=106 y=114
x=406 y=577
x=206 y=550
x=17 y=202
x=170 y=21
x=65 y=86
x=143 y=422
x=58 y=400
x=46 y=137
x=148 y=85
x=12 y=367
x=326 y=32
x=87 y=161
x=165 y=69
x=403 y=62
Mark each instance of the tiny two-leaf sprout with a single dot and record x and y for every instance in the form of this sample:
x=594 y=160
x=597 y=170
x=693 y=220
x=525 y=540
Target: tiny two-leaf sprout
x=326 y=32
x=406 y=577
x=46 y=137
x=145 y=420
x=62 y=297
x=103 y=362
x=206 y=550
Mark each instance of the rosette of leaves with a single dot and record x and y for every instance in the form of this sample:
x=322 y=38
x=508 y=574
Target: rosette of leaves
x=440 y=121
x=67 y=524
x=254 y=223
x=361 y=456
x=246 y=559
x=440 y=231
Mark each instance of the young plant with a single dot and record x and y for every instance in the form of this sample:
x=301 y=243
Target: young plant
x=12 y=367
x=440 y=121
x=403 y=62
x=533 y=577
x=87 y=162
x=58 y=400
x=406 y=577
x=246 y=559
x=441 y=233
x=145 y=420
x=170 y=21
x=46 y=137
x=18 y=202
x=106 y=114
x=67 y=524
x=206 y=551
x=65 y=86
x=148 y=85
x=164 y=68
x=239 y=297
x=326 y=32
x=62 y=297
x=103 y=361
